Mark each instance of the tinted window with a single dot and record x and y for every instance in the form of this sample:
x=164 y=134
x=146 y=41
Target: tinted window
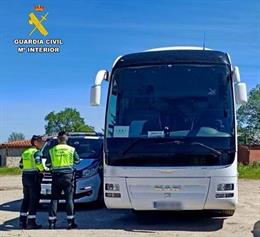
x=86 y=148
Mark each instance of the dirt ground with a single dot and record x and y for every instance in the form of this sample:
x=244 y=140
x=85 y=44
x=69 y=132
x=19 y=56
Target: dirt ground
x=103 y=222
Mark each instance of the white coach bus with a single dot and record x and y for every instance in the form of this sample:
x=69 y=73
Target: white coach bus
x=170 y=130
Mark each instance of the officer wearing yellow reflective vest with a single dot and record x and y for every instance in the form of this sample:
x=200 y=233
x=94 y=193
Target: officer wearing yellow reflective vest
x=61 y=160
x=31 y=165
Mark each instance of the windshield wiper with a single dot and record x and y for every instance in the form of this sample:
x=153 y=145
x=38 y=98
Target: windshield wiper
x=216 y=152
x=127 y=148
x=179 y=142
x=176 y=142
x=133 y=143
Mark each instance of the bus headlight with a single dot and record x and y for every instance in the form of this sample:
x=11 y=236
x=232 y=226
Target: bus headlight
x=112 y=187
x=225 y=187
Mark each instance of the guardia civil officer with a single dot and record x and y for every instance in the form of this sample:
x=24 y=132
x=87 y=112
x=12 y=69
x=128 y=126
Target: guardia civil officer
x=32 y=168
x=61 y=160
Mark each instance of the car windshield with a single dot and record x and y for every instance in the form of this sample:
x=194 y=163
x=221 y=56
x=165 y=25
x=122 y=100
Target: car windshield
x=85 y=147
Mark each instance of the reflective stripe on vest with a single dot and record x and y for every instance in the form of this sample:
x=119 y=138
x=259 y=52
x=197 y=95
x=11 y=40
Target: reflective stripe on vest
x=62 y=156
x=28 y=159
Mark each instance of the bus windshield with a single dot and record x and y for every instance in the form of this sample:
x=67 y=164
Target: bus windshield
x=171 y=102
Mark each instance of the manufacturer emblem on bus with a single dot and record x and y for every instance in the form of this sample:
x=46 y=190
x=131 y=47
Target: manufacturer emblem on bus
x=165 y=188
x=167 y=171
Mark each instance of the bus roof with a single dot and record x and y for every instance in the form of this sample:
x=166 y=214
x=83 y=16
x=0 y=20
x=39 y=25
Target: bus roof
x=173 y=55
x=177 y=48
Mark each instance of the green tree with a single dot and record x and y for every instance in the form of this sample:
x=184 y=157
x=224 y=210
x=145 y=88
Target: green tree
x=249 y=119
x=16 y=136
x=68 y=120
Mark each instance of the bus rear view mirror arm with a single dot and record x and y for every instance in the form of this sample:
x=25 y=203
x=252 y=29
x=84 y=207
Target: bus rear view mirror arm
x=236 y=74
x=95 y=94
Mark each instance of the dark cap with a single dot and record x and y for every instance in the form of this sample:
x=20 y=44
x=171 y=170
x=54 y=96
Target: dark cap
x=62 y=137
x=35 y=138
x=62 y=133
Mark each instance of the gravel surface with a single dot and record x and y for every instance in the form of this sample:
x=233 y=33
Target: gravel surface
x=103 y=222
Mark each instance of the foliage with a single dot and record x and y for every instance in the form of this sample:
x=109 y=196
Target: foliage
x=16 y=136
x=9 y=171
x=249 y=119
x=251 y=171
x=68 y=120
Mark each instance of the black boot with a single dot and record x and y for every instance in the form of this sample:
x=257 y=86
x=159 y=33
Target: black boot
x=32 y=224
x=72 y=224
x=23 y=222
x=52 y=225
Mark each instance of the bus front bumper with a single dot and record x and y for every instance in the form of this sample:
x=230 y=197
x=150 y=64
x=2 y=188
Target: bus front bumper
x=173 y=193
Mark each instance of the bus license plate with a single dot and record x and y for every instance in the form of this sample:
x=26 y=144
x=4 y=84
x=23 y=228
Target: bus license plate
x=167 y=205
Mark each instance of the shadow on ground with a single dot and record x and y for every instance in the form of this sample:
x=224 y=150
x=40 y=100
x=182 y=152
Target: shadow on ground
x=13 y=206
x=102 y=218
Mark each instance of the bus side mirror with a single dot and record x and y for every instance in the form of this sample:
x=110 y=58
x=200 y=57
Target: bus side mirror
x=240 y=93
x=240 y=87
x=95 y=94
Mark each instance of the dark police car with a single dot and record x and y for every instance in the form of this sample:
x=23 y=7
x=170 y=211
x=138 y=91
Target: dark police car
x=88 y=173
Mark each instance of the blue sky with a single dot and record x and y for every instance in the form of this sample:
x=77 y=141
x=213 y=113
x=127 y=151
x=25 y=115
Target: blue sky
x=94 y=33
